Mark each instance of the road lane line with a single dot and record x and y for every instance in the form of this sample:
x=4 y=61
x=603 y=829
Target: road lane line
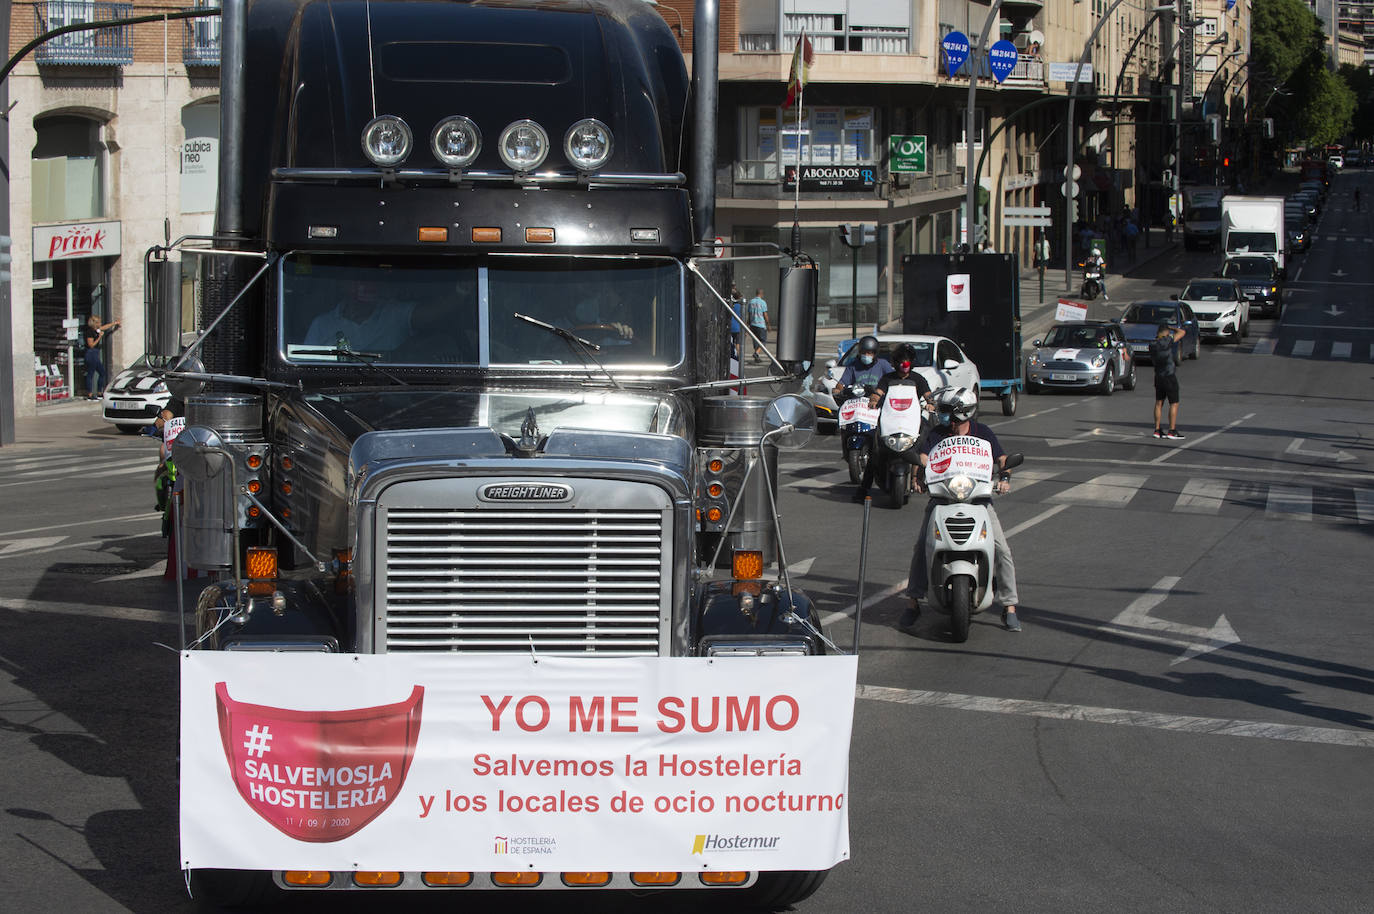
x=1288 y=502
x=1195 y=441
x=1112 y=489
x=1202 y=496
x=1265 y=347
x=1341 y=350
x=1364 y=506
x=91 y=610
x=1179 y=723
x=82 y=476
x=82 y=523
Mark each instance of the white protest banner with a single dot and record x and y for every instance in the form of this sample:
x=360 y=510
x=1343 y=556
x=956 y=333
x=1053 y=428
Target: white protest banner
x=171 y=428
x=1067 y=310
x=495 y=763
x=858 y=410
x=956 y=289
x=960 y=455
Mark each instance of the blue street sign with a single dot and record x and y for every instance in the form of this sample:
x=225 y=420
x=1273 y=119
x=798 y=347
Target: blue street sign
x=1229 y=4
x=956 y=51
x=1002 y=59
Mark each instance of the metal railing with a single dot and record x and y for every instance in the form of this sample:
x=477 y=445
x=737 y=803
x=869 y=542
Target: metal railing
x=825 y=39
x=201 y=37
x=1027 y=72
x=97 y=47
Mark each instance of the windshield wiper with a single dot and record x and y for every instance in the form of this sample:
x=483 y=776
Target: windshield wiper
x=582 y=348
x=353 y=355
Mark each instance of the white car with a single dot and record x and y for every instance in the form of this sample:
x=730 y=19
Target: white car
x=135 y=396
x=1220 y=306
x=938 y=359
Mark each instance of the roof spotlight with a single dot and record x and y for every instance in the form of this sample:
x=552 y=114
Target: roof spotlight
x=456 y=141
x=386 y=140
x=588 y=144
x=524 y=145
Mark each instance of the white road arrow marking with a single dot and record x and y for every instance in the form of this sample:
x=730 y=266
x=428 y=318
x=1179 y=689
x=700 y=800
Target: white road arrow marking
x=153 y=572
x=1334 y=311
x=1338 y=455
x=800 y=569
x=1090 y=433
x=14 y=547
x=1135 y=621
x=1339 y=273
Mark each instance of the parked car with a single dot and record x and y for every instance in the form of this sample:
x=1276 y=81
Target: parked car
x=1354 y=158
x=135 y=396
x=1221 y=308
x=1141 y=323
x=1310 y=203
x=1078 y=354
x=938 y=359
x=1259 y=280
x=1336 y=161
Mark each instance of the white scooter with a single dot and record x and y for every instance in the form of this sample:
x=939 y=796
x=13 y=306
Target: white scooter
x=959 y=540
x=899 y=432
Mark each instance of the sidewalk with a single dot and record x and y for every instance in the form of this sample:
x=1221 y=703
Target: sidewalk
x=65 y=425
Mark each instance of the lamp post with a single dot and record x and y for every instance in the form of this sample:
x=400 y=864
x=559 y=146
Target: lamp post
x=970 y=191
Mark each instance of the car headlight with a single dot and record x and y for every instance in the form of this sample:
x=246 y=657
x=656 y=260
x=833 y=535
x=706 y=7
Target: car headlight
x=1099 y=361
x=899 y=443
x=1035 y=360
x=961 y=487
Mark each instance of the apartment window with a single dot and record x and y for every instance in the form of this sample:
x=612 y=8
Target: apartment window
x=202 y=37
x=1207 y=29
x=852 y=26
x=979 y=116
x=68 y=180
x=772 y=137
x=100 y=47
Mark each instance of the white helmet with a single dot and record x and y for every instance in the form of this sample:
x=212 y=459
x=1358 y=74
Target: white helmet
x=959 y=403
x=1097 y=252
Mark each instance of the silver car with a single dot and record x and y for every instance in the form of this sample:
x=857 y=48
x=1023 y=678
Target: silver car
x=1081 y=354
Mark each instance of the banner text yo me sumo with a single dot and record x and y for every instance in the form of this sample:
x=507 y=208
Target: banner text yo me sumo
x=619 y=713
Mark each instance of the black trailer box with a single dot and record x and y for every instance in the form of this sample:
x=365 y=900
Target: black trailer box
x=989 y=331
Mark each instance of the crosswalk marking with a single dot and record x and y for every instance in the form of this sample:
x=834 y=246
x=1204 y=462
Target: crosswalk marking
x=1265 y=347
x=1303 y=348
x=1291 y=502
x=1023 y=479
x=1340 y=350
x=1202 y=496
x=1108 y=489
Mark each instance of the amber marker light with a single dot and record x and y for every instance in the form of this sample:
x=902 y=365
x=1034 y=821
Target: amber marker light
x=447 y=878
x=655 y=878
x=586 y=878
x=377 y=878
x=515 y=879
x=539 y=235
x=254 y=461
x=715 y=490
x=254 y=486
x=286 y=488
x=722 y=878
x=714 y=515
x=433 y=233
x=746 y=564
x=287 y=463
x=314 y=878
x=254 y=511
x=486 y=235
x=262 y=562
x=716 y=465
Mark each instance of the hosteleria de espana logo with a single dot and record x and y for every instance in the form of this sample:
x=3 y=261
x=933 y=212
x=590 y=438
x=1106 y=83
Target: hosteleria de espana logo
x=318 y=775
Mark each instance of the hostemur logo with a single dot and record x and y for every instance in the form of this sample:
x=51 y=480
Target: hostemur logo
x=703 y=843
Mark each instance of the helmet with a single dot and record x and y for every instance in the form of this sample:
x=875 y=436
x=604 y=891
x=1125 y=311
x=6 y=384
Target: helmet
x=1097 y=252
x=905 y=353
x=868 y=344
x=959 y=403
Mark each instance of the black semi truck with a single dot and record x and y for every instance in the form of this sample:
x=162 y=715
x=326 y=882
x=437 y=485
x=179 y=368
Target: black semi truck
x=461 y=383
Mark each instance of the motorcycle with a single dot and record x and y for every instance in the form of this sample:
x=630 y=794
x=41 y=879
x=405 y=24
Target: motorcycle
x=857 y=423
x=959 y=542
x=899 y=432
x=1092 y=281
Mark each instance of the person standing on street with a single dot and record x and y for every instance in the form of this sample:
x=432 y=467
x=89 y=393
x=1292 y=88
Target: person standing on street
x=1166 y=378
x=95 y=369
x=1042 y=254
x=758 y=320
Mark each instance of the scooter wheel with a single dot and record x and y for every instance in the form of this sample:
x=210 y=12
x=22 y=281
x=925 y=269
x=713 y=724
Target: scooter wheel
x=960 y=606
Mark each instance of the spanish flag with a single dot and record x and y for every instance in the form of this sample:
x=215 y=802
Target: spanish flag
x=801 y=69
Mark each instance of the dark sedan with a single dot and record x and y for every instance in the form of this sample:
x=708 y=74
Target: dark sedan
x=1141 y=324
x=1258 y=277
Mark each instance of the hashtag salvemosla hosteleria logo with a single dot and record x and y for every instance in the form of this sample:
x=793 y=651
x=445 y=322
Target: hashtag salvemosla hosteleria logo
x=257 y=742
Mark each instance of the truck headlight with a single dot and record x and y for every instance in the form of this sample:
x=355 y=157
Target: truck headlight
x=523 y=145
x=899 y=443
x=961 y=487
x=588 y=144
x=386 y=140
x=456 y=141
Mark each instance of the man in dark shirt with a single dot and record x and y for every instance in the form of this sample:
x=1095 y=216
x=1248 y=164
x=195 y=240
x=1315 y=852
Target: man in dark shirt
x=868 y=368
x=961 y=405
x=1166 y=378
x=902 y=375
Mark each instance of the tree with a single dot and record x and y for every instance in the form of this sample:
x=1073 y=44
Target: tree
x=1288 y=52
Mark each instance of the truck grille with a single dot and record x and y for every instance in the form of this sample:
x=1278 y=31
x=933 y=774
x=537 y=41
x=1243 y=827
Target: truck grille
x=558 y=580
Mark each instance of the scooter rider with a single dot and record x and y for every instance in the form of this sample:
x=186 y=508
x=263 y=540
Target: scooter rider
x=1095 y=262
x=867 y=369
x=902 y=374
x=956 y=407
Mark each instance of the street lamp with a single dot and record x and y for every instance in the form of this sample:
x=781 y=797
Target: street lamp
x=1069 y=137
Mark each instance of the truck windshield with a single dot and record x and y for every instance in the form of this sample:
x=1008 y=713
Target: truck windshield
x=462 y=312
x=1257 y=242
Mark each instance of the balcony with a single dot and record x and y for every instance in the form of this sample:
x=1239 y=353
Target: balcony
x=1029 y=72
x=830 y=34
x=201 y=37
x=101 y=47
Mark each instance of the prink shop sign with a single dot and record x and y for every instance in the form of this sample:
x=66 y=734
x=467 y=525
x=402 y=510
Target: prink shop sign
x=831 y=177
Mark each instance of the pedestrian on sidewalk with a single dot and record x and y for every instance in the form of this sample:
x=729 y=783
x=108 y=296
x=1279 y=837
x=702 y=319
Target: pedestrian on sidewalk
x=1042 y=253
x=1132 y=234
x=758 y=320
x=95 y=367
x=1166 y=378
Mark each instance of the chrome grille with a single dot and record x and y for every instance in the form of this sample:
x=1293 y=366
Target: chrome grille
x=555 y=579
x=960 y=528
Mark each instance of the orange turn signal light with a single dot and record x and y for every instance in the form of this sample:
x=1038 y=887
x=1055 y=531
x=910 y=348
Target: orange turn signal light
x=716 y=465
x=307 y=877
x=714 y=515
x=433 y=233
x=715 y=490
x=722 y=878
x=486 y=235
x=586 y=878
x=287 y=463
x=254 y=486
x=539 y=235
x=446 y=878
x=254 y=461
x=523 y=878
x=254 y=511
x=746 y=564
x=286 y=488
x=377 y=878
x=655 y=878
x=262 y=562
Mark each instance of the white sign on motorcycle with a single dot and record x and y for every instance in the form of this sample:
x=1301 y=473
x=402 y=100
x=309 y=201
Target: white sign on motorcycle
x=858 y=410
x=956 y=292
x=960 y=455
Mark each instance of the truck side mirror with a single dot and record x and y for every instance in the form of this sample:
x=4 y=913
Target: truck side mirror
x=162 y=306
x=797 y=313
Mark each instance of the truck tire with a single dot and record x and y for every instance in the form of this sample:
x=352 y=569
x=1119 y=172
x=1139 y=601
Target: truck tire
x=1009 y=402
x=783 y=889
x=960 y=606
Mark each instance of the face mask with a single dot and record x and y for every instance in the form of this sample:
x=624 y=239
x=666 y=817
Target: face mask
x=904 y=367
x=865 y=360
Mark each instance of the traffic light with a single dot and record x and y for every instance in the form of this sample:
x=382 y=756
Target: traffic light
x=856 y=236
x=1225 y=161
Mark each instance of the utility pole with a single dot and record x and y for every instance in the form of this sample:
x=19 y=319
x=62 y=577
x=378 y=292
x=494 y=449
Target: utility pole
x=6 y=318
x=854 y=238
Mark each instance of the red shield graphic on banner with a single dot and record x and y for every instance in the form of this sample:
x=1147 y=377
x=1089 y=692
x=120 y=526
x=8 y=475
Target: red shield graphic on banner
x=899 y=404
x=957 y=288
x=318 y=775
x=940 y=466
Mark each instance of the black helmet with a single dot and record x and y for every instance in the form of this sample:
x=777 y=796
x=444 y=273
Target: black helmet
x=904 y=353
x=868 y=344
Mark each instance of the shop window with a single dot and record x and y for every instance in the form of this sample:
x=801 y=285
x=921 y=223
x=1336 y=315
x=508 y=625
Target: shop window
x=772 y=137
x=68 y=180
